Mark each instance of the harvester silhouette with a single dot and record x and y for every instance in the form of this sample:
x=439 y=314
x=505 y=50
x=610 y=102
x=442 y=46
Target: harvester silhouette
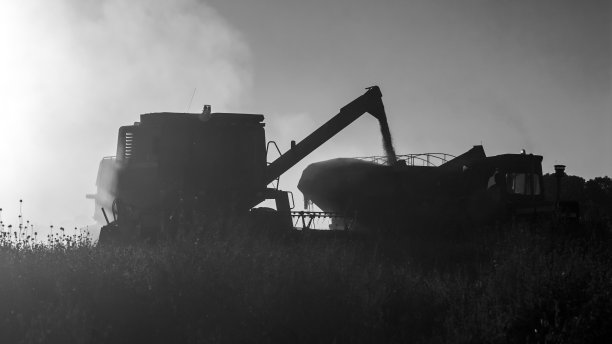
x=173 y=168
x=211 y=165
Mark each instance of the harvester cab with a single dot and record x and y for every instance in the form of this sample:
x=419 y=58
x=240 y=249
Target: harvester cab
x=506 y=186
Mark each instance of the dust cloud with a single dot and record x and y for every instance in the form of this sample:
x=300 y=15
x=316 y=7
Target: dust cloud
x=74 y=71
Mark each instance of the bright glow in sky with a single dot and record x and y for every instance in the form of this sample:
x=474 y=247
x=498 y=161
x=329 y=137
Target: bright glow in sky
x=507 y=74
x=73 y=71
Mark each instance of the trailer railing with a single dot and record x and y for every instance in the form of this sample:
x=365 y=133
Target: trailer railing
x=420 y=159
x=321 y=220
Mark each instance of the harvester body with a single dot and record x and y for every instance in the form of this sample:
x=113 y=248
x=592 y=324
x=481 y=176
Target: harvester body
x=172 y=167
x=217 y=163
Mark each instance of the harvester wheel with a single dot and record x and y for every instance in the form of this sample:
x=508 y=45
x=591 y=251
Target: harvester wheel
x=267 y=220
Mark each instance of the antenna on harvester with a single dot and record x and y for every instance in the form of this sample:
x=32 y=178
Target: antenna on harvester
x=191 y=100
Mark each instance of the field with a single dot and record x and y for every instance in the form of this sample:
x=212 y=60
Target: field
x=518 y=284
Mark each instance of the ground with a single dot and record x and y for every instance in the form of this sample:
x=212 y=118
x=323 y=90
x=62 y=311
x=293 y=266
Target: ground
x=528 y=283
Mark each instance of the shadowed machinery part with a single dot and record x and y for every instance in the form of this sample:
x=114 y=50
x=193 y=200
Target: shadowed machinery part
x=469 y=188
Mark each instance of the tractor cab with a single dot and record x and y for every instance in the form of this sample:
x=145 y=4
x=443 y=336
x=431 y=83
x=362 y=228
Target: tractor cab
x=512 y=182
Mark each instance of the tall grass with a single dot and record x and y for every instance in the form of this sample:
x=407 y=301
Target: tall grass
x=506 y=285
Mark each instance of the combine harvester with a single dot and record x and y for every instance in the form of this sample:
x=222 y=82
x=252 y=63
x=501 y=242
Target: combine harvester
x=174 y=169
x=201 y=168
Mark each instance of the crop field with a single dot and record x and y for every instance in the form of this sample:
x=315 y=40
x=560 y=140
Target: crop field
x=519 y=284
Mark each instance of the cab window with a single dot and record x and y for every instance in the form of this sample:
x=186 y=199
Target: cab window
x=523 y=183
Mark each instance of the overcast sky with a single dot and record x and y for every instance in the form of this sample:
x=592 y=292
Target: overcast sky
x=507 y=74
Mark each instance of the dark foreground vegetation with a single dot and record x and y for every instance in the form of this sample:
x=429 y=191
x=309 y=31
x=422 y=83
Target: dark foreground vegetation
x=518 y=284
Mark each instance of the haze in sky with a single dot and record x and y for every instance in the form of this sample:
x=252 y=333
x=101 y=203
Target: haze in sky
x=74 y=71
x=511 y=75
